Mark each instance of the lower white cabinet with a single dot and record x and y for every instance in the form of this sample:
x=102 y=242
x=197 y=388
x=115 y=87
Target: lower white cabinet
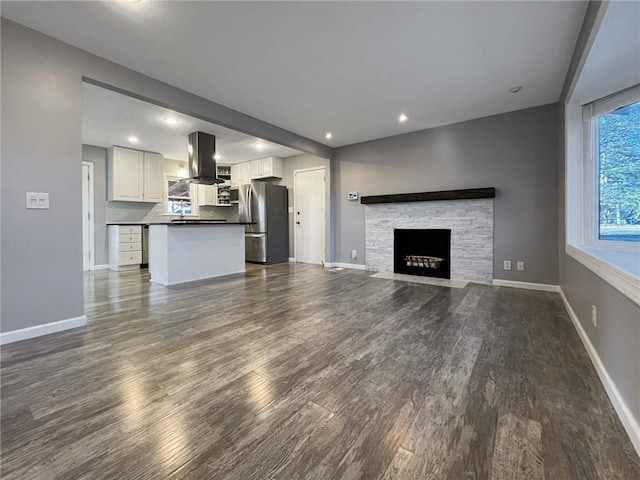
x=125 y=246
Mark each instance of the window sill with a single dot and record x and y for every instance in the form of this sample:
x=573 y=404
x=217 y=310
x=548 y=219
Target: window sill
x=618 y=268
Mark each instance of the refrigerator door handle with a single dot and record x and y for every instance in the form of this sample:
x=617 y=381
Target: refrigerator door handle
x=255 y=235
x=249 y=200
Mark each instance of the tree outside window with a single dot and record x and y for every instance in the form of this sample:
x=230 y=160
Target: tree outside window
x=619 y=174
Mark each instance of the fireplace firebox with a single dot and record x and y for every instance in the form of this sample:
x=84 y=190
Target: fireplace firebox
x=425 y=252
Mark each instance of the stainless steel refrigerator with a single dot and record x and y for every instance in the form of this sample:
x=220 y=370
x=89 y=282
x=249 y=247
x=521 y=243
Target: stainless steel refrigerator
x=265 y=207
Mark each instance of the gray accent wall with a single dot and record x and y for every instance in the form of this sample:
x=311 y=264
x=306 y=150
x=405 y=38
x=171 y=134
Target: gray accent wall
x=41 y=259
x=98 y=156
x=617 y=337
x=514 y=152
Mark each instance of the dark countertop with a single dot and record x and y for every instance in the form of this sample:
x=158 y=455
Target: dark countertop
x=179 y=224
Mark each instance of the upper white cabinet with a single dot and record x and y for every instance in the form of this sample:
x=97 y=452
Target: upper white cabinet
x=134 y=176
x=268 y=167
x=125 y=175
x=271 y=167
x=153 y=188
x=240 y=173
x=207 y=195
x=235 y=174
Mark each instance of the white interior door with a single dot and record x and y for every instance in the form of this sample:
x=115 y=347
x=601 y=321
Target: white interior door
x=87 y=216
x=309 y=215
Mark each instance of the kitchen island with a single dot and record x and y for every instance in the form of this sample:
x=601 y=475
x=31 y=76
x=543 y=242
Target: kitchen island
x=184 y=252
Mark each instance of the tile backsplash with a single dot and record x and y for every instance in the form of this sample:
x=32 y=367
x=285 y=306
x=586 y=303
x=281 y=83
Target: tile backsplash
x=152 y=212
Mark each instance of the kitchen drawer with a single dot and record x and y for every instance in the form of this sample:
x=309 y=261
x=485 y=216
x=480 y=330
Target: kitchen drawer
x=130 y=258
x=130 y=237
x=122 y=229
x=130 y=247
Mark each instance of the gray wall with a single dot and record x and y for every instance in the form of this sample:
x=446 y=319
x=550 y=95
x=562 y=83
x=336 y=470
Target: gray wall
x=41 y=152
x=41 y=258
x=296 y=163
x=617 y=337
x=98 y=156
x=515 y=152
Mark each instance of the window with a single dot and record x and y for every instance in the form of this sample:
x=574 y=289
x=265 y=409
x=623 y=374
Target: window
x=180 y=197
x=603 y=188
x=618 y=141
x=612 y=171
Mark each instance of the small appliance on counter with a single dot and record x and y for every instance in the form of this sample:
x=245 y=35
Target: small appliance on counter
x=264 y=206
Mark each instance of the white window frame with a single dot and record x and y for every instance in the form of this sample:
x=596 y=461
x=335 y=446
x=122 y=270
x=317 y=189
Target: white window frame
x=193 y=193
x=617 y=262
x=591 y=187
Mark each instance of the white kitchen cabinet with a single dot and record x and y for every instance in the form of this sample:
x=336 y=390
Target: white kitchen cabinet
x=207 y=195
x=240 y=173
x=125 y=246
x=268 y=167
x=125 y=175
x=272 y=167
x=135 y=176
x=214 y=195
x=256 y=169
x=235 y=174
x=153 y=188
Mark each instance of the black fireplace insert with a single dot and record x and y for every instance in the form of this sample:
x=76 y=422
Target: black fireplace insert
x=425 y=252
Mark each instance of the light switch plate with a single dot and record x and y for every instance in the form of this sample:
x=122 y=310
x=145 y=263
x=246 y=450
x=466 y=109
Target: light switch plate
x=352 y=196
x=37 y=200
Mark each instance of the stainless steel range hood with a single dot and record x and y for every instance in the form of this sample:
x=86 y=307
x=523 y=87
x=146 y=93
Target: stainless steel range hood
x=202 y=163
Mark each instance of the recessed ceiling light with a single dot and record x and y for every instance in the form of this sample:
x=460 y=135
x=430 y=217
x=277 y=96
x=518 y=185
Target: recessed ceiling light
x=515 y=89
x=403 y=118
x=171 y=120
x=259 y=146
x=328 y=136
x=217 y=156
x=133 y=139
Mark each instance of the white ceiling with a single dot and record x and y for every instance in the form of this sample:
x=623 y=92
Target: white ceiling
x=346 y=67
x=616 y=48
x=109 y=118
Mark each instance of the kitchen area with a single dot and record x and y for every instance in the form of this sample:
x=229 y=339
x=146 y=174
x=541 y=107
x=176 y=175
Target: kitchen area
x=187 y=199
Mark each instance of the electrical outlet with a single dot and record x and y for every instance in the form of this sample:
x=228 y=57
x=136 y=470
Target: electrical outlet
x=354 y=254
x=520 y=266
x=594 y=315
x=507 y=264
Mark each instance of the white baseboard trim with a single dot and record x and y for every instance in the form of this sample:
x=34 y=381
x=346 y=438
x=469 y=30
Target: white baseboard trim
x=39 y=330
x=104 y=266
x=526 y=285
x=292 y=259
x=353 y=266
x=629 y=422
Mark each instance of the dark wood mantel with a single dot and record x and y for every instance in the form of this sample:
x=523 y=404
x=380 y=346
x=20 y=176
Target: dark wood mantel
x=466 y=194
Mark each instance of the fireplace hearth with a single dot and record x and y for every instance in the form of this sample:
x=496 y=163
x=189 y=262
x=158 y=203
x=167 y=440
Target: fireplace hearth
x=424 y=252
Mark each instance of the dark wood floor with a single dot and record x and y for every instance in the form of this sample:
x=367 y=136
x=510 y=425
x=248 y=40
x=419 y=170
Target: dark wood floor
x=299 y=372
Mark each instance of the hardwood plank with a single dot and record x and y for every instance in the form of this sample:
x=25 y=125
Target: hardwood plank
x=518 y=449
x=299 y=372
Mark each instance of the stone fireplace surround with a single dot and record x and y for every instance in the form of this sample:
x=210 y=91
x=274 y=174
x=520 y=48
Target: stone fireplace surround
x=470 y=221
